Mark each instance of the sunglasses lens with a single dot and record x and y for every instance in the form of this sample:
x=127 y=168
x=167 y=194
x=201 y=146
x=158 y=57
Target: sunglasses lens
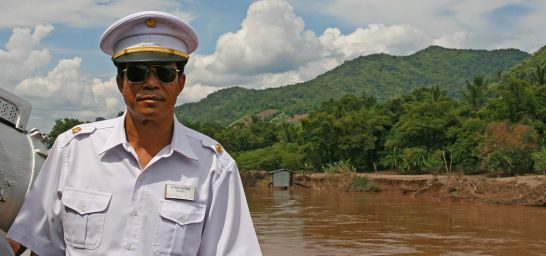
x=166 y=74
x=137 y=74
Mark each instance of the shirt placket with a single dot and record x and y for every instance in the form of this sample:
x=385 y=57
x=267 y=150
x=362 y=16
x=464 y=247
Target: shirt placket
x=136 y=216
x=135 y=213
x=138 y=199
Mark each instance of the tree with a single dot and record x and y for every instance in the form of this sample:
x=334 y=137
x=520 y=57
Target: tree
x=270 y=158
x=539 y=76
x=507 y=148
x=539 y=159
x=322 y=138
x=361 y=137
x=424 y=124
x=287 y=132
x=244 y=137
x=475 y=93
x=516 y=101
x=465 y=150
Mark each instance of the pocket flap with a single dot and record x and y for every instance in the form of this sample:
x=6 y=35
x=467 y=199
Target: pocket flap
x=182 y=213
x=85 y=201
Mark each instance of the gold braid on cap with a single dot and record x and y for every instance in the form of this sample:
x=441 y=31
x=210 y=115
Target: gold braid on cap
x=151 y=49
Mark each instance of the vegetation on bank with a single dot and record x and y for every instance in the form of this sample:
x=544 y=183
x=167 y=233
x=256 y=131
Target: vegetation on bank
x=494 y=127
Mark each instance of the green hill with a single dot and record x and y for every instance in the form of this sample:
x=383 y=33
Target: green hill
x=527 y=68
x=381 y=75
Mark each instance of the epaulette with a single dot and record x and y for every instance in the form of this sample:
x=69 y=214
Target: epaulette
x=224 y=158
x=77 y=131
x=86 y=128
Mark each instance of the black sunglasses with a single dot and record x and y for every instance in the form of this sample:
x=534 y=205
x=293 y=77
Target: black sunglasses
x=138 y=73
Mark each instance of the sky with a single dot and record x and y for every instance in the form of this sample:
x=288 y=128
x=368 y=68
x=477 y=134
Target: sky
x=50 y=56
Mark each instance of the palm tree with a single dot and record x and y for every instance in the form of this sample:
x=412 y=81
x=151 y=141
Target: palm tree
x=436 y=93
x=474 y=94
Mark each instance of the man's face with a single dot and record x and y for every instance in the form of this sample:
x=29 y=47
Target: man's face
x=149 y=98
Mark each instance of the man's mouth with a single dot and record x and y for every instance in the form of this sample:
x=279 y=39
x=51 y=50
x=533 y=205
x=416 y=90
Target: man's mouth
x=149 y=98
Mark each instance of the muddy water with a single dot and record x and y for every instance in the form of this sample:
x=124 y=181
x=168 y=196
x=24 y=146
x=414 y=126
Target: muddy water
x=305 y=222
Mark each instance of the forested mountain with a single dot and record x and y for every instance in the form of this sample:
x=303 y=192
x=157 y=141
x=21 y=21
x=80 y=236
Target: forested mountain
x=527 y=69
x=380 y=75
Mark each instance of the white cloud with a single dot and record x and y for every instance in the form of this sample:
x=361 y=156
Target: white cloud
x=196 y=92
x=456 y=40
x=272 y=49
x=62 y=84
x=67 y=93
x=79 y=13
x=271 y=39
x=484 y=28
x=267 y=51
x=395 y=39
x=63 y=92
x=20 y=59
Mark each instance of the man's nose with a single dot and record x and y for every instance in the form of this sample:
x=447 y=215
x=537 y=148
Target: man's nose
x=151 y=80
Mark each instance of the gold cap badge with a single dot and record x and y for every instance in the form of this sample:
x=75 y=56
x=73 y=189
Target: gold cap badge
x=151 y=22
x=76 y=130
x=218 y=148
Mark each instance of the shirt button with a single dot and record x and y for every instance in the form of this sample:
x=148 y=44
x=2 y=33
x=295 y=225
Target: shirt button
x=182 y=218
x=83 y=208
x=134 y=212
x=129 y=247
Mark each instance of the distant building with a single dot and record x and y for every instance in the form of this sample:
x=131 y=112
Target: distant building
x=281 y=178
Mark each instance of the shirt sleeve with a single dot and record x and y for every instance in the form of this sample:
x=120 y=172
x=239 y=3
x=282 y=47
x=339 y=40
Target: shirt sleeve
x=229 y=229
x=38 y=225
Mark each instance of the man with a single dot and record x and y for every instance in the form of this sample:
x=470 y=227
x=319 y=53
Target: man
x=140 y=184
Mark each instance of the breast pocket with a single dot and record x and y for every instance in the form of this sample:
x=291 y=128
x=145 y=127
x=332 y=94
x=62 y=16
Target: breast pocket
x=83 y=218
x=179 y=229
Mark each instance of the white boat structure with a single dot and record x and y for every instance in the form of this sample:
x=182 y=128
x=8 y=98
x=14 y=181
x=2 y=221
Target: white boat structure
x=22 y=154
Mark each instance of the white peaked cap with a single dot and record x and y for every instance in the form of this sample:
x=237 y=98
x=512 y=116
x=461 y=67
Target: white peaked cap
x=149 y=36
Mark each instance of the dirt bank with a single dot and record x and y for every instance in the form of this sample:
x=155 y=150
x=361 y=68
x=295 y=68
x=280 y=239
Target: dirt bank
x=522 y=190
x=529 y=190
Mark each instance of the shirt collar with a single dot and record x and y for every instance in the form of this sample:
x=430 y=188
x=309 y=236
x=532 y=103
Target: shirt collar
x=179 y=142
x=117 y=136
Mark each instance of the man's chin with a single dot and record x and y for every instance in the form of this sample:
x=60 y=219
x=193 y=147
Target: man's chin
x=148 y=113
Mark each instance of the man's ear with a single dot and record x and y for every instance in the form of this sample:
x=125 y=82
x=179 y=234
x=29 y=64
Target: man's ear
x=119 y=81
x=181 y=82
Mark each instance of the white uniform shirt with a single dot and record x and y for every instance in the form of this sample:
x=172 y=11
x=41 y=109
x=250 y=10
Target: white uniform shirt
x=93 y=198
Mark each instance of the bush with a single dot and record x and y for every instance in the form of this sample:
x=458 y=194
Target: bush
x=362 y=183
x=340 y=176
x=507 y=148
x=413 y=159
x=539 y=159
x=270 y=158
x=339 y=167
x=434 y=163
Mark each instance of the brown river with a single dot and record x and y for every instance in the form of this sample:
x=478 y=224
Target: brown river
x=304 y=222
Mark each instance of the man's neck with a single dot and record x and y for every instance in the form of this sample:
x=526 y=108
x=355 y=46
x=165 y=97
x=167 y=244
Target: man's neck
x=148 y=136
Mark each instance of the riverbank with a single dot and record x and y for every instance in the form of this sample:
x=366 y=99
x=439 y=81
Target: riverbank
x=528 y=190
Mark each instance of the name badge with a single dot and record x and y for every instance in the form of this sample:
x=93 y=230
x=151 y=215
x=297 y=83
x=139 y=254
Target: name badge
x=174 y=191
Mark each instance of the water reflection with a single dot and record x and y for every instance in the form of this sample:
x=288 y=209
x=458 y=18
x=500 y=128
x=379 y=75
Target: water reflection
x=303 y=222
